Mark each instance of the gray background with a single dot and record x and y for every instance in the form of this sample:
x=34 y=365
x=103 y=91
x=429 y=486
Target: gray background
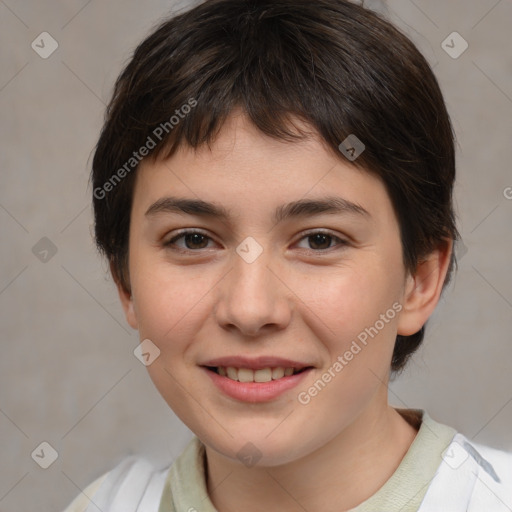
x=68 y=375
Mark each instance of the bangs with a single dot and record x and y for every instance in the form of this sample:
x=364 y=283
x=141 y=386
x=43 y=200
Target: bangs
x=273 y=63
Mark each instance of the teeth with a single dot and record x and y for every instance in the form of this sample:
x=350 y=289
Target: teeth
x=248 y=375
x=232 y=373
x=277 y=373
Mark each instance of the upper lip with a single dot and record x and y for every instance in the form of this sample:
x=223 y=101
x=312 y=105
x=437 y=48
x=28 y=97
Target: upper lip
x=256 y=363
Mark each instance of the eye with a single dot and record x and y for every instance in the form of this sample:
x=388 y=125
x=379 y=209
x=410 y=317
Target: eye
x=321 y=240
x=193 y=240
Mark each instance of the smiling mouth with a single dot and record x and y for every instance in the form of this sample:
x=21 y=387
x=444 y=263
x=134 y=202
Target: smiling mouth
x=261 y=375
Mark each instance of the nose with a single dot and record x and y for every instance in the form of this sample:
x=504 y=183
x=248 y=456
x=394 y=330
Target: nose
x=252 y=298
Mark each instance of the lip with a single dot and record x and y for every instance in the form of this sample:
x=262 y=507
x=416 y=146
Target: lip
x=255 y=363
x=255 y=391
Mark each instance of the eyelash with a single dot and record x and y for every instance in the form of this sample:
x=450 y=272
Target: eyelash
x=308 y=234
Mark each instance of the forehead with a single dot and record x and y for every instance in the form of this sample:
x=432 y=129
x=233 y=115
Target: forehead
x=243 y=170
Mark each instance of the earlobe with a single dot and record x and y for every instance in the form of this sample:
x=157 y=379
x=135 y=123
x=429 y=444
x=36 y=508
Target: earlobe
x=126 y=301
x=423 y=289
x=129 y=312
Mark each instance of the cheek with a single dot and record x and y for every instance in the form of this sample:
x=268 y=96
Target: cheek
x=351 y=312
x=352 y=315
x=169 y=309
x=167 y=305
x=349 y=300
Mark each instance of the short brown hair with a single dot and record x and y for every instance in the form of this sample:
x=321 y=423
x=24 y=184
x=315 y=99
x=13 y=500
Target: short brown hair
x=341 y=68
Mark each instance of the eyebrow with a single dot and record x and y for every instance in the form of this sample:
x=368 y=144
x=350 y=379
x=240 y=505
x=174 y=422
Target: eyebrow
x=300 y=208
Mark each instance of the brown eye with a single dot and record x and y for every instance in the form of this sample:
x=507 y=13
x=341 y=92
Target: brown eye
x=193 y=240
x=321 y=241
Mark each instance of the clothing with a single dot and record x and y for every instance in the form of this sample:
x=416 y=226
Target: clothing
x=469 y=477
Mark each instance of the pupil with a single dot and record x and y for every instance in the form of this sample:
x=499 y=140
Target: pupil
x=194 y=238
x=320 y=236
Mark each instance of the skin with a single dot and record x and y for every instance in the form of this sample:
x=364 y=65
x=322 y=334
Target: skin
x=301 y=298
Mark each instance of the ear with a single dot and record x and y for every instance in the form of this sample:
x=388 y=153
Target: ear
x=126 y=300
x=423 y=289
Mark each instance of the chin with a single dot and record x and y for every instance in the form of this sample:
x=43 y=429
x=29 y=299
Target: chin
x=257 y=448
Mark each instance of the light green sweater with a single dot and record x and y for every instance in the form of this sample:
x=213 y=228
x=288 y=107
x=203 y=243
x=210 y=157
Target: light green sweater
x=185 y=487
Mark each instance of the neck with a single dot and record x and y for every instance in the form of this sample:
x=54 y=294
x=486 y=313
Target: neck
x=338 y=476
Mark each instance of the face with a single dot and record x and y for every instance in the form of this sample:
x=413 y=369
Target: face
x=308 y=286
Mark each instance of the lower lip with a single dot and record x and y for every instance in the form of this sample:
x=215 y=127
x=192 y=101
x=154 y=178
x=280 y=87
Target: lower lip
x=256 y=391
